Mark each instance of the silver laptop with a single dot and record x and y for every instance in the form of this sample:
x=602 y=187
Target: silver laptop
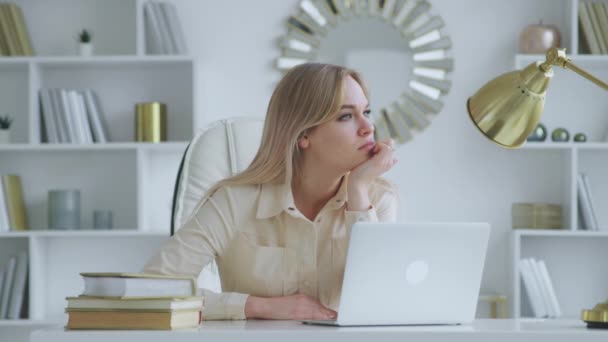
x=412 y=274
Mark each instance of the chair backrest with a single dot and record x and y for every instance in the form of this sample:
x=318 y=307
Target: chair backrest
x=220 y=150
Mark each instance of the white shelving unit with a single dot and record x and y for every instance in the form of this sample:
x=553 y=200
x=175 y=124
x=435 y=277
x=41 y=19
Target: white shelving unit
x=133 y=180
x=574 y=257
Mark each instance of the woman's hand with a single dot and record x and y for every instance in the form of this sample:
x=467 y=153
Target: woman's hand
x=294 y=307
x=360 y=177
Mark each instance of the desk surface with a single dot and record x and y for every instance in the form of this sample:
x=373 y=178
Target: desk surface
x=497 y=330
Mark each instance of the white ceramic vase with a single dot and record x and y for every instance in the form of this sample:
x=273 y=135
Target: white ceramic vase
x=5 y=136
x=86 y=49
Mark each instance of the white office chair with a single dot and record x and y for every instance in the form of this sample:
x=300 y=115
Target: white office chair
x=220 y=150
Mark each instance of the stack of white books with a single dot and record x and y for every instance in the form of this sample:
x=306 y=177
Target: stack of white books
x=135 y=301
x=72 y=116
x=539 y=288
x=164 y=34
x=13 y=278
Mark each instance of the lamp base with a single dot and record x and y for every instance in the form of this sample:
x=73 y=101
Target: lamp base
x=596 y=318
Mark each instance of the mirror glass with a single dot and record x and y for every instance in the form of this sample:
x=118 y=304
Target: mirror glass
x=398 y=46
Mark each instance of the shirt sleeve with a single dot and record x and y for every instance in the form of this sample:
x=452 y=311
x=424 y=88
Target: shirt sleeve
x=385 y=201
x=203 y=237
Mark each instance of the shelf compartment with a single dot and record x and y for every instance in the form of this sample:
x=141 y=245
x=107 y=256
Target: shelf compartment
x=111 y=22
x=127 y=83
x=14 y=90
x=594 y=163
x=106 y=180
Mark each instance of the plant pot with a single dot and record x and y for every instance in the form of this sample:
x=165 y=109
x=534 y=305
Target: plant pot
x=86 y=49
x=5 y=136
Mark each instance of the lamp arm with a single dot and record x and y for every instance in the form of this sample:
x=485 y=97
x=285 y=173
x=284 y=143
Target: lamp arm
x=558 y=57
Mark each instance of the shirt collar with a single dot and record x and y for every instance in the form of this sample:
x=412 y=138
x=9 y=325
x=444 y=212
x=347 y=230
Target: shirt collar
x=275 y=198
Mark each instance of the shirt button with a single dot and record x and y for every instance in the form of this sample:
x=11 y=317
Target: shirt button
x=290 y=208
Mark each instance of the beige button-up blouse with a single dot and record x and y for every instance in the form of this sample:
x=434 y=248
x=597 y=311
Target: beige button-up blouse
x=265 y=247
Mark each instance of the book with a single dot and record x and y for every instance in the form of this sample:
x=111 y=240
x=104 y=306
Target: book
x=13 y=197
x=5 y=225
x=48 y=116
x=585 y=204
x=6 y=286
x=596 y=28
x=542 y=287
x=532 y=290
x=587 y=29
x=23 y=35
x=137 y=285
x=175 y=28
x=129 y=304
x=555 y=307
x=99 y=127
x=138 y=320
x=588 y=192
x=602 y=20
x=165 y=38
x=10 y=36
x=152 y=25
x=15 y=305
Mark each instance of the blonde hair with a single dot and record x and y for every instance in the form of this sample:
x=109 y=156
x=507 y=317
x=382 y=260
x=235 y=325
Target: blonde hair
x=308 y=95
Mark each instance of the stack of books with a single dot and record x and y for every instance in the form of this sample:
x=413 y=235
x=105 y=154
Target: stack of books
x=14 y=36
x=135 y=301
x=539 y=287
x=72 y=116
x=593 y=22
x=164 y=34
x=13 y=214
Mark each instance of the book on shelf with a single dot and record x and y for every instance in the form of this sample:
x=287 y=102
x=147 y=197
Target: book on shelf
x=5 y=225
x=164 y=34
x=18 y=288
x=539 y=288
x=14 y=202
x=138 y=285
x=587 y=29
x=585 y=203
x=72 y=116
x=14 y=35
x=152 y=320
x=6 y=286
x=602 y=20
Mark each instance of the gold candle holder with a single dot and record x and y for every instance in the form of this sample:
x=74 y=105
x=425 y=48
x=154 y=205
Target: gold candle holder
x=150 y=122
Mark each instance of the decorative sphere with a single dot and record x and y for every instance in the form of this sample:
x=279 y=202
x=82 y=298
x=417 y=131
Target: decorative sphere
x=560 y=135
x=580 y=137
x=538 y=134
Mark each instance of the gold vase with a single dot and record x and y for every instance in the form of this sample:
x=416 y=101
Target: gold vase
x=150 y=122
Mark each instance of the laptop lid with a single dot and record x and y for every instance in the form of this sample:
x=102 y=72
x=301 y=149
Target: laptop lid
x=413 y=273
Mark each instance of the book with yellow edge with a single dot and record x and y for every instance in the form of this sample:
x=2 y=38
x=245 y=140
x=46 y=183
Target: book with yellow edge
x=15 y=205
x=137 y=285
x=134 y=320
x=23 y=37
x=87 y=303
x=10 y=35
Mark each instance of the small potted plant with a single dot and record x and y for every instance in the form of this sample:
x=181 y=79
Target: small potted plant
x=5 y=125
x=84 y=40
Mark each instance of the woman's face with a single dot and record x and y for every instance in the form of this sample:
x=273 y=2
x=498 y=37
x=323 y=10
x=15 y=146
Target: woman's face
x=347 y=140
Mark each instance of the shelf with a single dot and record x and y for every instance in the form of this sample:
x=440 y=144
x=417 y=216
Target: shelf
x=102 y=60
x=549 y=145
x=30 y=322
x=177 y=146
x=83 y=233
x=559 y=233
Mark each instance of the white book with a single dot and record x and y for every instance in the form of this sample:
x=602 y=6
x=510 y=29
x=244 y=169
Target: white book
x=137 y=285
x=542 y=286
x=79 y=117
x=5 y=225
x=175 y=28
x=48 y=117
x=165 y=39
x=594 y=222
x=96 y=303
x=153 y=38
x=2 y=276
x=18 y=290
x=6 y=287
x=538 y=308
x=68 y=117
x=96 y=117
x=82 y=111
x=584 y=204
x=555 y=307
x=58 y=111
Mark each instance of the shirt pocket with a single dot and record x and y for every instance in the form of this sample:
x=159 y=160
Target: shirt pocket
x=264 y=271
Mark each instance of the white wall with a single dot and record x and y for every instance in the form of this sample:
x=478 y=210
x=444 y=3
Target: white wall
x=450 y=172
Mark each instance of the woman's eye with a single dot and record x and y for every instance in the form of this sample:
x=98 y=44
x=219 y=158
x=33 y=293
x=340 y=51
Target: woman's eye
x=344 y=117
x=367 y=113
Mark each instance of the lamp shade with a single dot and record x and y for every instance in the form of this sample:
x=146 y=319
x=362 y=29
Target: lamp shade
x=507 y=109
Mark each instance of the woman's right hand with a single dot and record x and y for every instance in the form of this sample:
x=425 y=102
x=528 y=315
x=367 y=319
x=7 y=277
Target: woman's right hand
x=294 y=307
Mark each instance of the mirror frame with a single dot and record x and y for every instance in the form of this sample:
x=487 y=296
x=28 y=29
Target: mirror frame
x=420 y=30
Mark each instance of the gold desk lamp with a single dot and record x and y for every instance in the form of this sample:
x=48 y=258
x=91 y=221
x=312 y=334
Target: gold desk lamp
x=507 y=109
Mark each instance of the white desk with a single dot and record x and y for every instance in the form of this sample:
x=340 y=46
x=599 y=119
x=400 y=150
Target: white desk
x=269 y=331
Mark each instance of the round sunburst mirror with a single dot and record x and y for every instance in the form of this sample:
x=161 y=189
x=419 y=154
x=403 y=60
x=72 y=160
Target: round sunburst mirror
x=398 y=45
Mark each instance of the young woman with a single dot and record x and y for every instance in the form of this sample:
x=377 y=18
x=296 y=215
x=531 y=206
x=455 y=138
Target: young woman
x=279 y=230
